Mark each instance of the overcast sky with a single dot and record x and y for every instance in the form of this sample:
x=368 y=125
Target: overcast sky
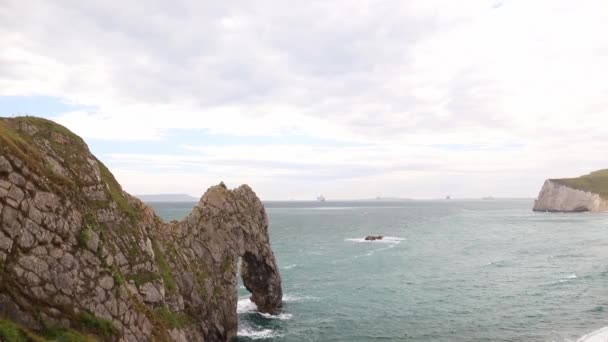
x=351 y=99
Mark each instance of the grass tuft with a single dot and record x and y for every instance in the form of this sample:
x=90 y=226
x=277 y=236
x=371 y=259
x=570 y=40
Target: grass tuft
x=164 y=268
x=84 y=236
x=11 y=332
x=173 y=319
x=98 y=326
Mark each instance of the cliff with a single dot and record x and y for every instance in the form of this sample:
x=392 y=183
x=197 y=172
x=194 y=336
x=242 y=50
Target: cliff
x=80 y=259
x=585 y=193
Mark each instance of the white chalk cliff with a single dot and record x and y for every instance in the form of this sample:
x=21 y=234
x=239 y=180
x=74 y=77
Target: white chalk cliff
x=556 y=197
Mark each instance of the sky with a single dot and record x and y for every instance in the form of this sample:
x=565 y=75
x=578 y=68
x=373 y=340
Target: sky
x=349 y=99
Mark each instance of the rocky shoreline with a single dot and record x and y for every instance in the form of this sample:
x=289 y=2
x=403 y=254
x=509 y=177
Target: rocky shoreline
x=81 y=257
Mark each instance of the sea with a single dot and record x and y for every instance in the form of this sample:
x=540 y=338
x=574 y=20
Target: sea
x=447 y=270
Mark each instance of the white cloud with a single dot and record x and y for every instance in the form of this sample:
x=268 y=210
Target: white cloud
x=517 y=87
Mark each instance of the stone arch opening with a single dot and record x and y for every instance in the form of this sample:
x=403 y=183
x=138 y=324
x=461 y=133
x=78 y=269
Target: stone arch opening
x=261 y=278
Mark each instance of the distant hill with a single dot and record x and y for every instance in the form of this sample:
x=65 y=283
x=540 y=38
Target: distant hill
x=167 y=198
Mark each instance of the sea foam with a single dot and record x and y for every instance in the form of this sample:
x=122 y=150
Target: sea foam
x=246 y=306
x=600 y=335
x=257 y=334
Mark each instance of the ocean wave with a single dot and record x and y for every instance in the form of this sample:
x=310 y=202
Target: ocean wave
x=257 y=334
x=499 y=263
x=380 y=249
x=296 y=298
x=600 y=335
x=288 y=267
x=282 y=317
x=245 y=305
x=386 y=239
x=568 y=278
x=563 y=280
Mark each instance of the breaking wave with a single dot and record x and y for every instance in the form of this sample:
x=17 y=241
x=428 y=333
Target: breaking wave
x=257 y=334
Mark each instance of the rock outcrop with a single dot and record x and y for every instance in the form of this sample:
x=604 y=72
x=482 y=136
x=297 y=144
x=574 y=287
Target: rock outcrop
x=573 y=195
x=78 y=255
x=374 y=237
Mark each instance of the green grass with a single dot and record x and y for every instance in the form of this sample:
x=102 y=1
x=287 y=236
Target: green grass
x=115 y=192
x=84 y=236
x=164 y=268
x=91 y=221
x=65 y=335
x=118 y=279
x=11 y=332
x=50 y=127
x=173 y=319
x=98 y=326
x=73 y=150
x=25 y=148
x=596 y=182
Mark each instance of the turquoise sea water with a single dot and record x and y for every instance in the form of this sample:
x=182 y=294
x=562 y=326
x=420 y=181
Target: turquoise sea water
x=450 y=271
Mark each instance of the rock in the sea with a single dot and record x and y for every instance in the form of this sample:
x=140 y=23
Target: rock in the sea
x=79 y=253
x=586 y=193
x=374 y=237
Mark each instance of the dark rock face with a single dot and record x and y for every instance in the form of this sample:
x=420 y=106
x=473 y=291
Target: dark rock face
x=78 y=253
x=374 y=237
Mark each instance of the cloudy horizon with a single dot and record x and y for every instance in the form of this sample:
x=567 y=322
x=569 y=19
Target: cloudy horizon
x=349 y=99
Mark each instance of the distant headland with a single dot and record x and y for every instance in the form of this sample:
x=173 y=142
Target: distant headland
x=585 y=193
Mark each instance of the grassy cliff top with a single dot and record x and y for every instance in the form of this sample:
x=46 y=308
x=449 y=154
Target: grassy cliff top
x=596 y=182
x=59 y=156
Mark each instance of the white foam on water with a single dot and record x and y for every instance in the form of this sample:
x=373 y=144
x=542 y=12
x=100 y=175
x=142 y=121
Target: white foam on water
x=380 y=249
x=568 y=278
x=245 y=305
x=386 y=239
x=600 y=335
x=295 y=298
x=288 y=267
x=282 y=317
x=257 y=334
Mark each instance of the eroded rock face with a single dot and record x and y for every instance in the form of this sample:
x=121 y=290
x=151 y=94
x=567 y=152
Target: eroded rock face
x=76 y=249
x=555 y=197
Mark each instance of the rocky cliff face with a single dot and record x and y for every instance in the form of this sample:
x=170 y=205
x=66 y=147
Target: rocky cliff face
x=556 y=197
x=80 y=257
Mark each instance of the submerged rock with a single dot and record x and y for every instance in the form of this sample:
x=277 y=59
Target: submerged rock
x=78 y=253
x=374 y=237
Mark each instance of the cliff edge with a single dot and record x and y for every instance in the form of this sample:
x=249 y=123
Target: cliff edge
x=585 y=193
x=81 y=260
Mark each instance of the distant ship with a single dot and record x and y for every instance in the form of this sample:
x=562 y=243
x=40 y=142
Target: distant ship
x=320 y=198
x=448 y=197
